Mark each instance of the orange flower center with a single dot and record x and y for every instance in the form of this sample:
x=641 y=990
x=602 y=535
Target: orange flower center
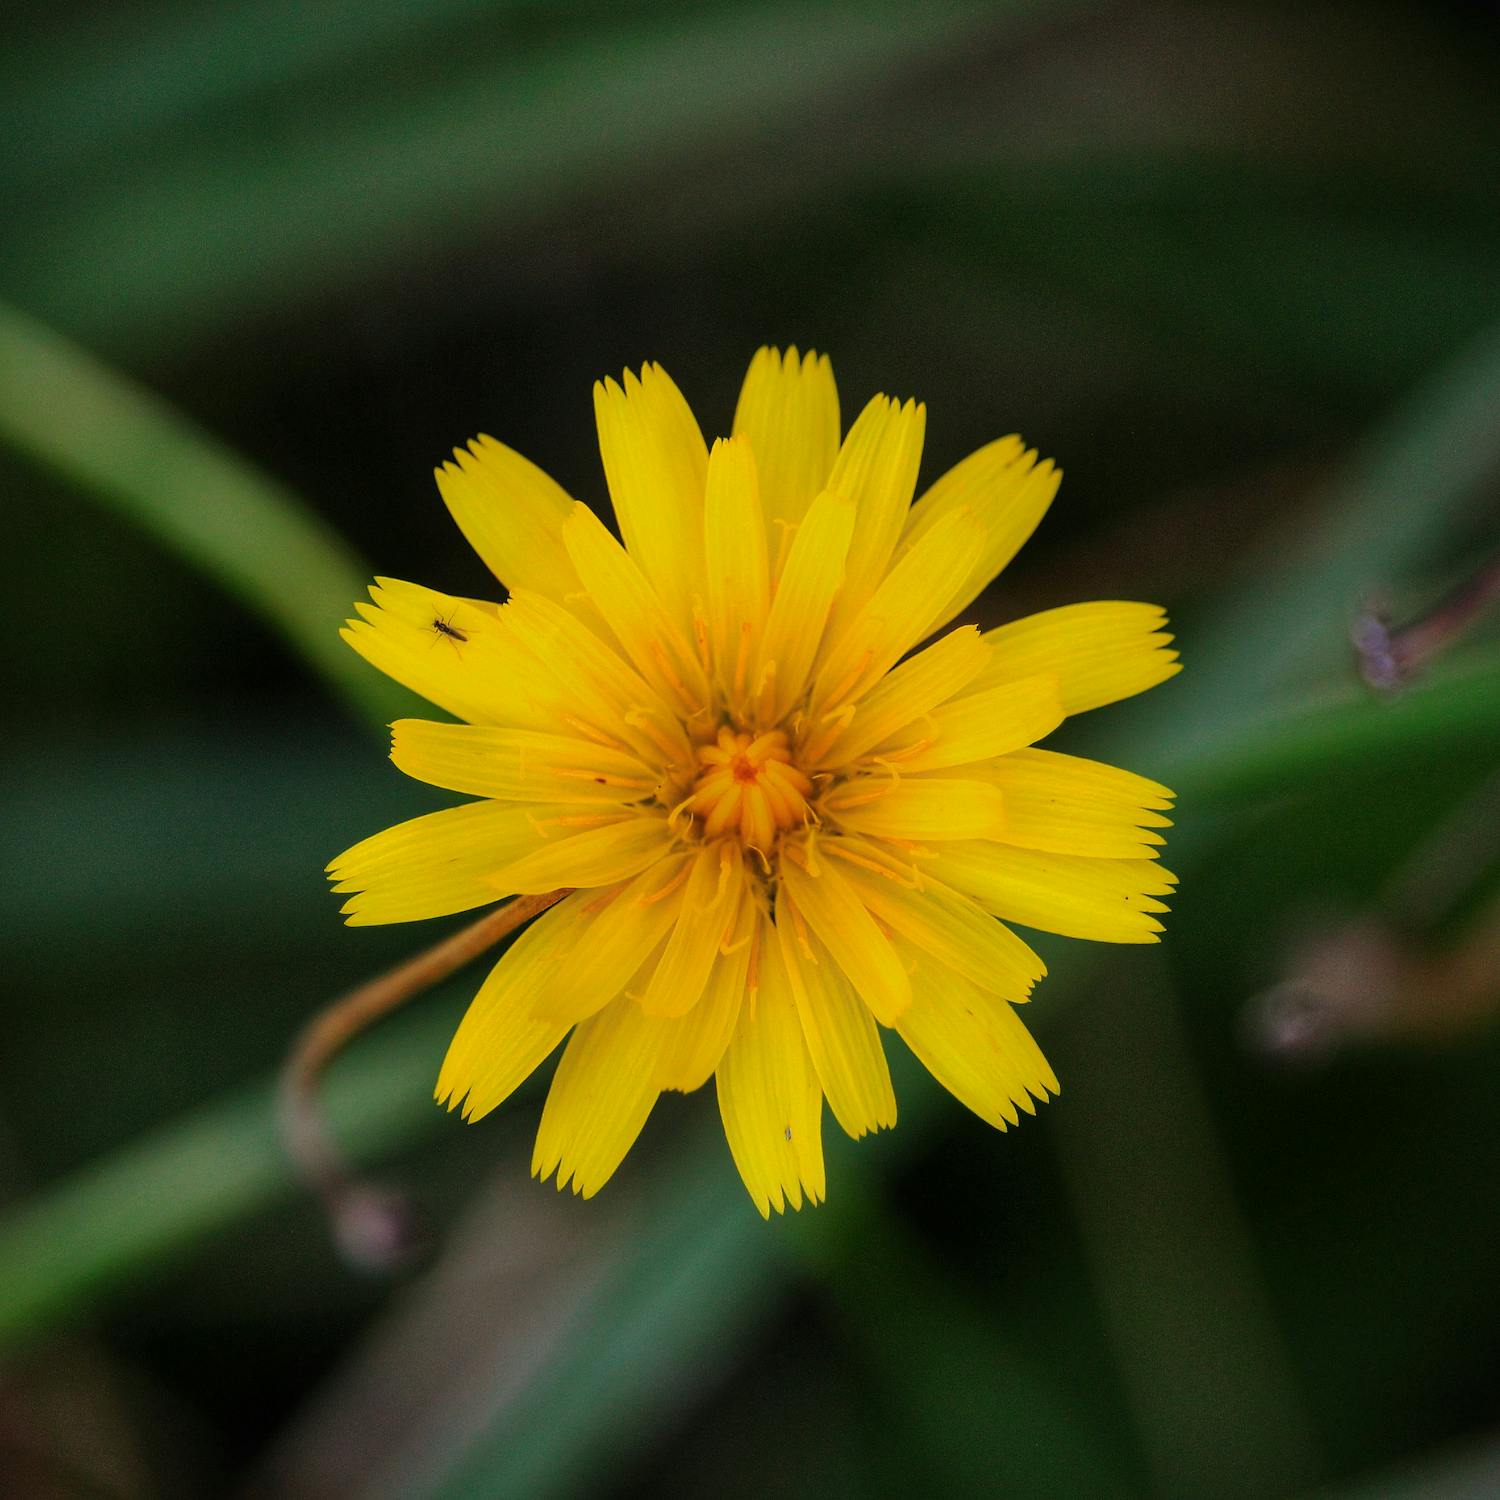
x=748 y=785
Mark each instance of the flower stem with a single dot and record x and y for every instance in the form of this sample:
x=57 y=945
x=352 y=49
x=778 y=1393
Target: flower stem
x=371 y=1225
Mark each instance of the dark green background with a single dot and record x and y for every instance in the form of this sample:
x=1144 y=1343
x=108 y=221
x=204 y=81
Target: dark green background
x=1236 y=266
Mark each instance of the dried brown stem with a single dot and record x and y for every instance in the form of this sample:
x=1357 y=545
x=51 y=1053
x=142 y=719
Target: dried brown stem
x=1390 y=658
x=367 y=1222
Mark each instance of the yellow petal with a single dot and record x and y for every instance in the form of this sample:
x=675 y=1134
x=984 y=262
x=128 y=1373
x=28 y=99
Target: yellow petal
x=836 y=914
x=655 y=462
x=980 y=726
x=512 y=515
x=695 y=1042
x=877 y=469
x=1069 y=805
x=499 y=1043
x=634 y=612
x=444 y=648
x=518 y=765
x=841 y=1036
x=596 y=692
x=1008 y=491
x=813 y=574
x=945 y=924
x=602 y=854
x=914 y=808
x=1107 y=900
x=1101 y=652
x=435 y=865
x=480 y=661
x=899 y=699
x=769 y=1098
x=897 y=615
x=600 y=1097
x=705 y=923
x=736 y=580
x=789 y=410
x=627 y=927
x=974 y=1044
x=603 y=681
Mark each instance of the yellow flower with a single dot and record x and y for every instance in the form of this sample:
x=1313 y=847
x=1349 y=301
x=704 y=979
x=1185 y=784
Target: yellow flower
x=782 y=828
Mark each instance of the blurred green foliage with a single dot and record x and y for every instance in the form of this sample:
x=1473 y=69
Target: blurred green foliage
x=1237 y=265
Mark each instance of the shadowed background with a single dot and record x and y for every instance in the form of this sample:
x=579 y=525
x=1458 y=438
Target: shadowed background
x=1236 y=266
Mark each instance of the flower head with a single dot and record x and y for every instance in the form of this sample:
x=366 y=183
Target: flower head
x=783 y=827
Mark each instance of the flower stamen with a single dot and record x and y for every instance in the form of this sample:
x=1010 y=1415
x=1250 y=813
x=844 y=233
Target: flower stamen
x=749 y=785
